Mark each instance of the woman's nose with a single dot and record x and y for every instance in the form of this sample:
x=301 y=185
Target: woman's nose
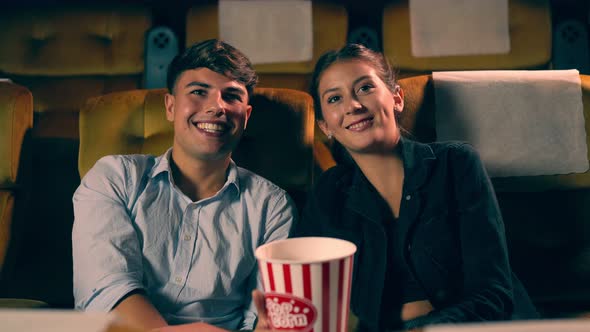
x=355 y=106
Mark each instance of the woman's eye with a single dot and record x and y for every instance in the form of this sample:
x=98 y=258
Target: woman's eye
x=333 y=99
x=365 y=88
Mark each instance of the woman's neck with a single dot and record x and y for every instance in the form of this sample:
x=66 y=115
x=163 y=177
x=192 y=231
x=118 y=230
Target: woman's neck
x=385 y=171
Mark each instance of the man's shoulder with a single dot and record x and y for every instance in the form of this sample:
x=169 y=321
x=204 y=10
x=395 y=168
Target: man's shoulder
x=250 y=181
x=127 y=162
x=122 y=168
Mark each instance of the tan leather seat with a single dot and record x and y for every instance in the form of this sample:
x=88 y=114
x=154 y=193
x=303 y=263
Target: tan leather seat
x=64 y=54
x=16 y=121
x=546 y=217
x=277 y=143
x=530 y=41
x=330 y=27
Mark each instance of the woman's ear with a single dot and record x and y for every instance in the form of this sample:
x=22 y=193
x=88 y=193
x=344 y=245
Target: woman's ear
x=398 y=99
x=324 y=127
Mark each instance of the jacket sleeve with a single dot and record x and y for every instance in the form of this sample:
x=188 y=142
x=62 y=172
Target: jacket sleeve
x=487 y=292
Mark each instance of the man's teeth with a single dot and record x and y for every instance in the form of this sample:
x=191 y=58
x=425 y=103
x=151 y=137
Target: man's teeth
x=211 y=127
x=360 y=124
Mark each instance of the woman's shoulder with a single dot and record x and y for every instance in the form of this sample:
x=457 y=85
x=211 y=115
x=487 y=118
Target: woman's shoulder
x=335 y=177
x=454 y=150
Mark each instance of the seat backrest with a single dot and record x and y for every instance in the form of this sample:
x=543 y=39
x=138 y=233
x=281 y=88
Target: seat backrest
x=545 y=216
x=64 y=54
x=529 y=28
x=277 y=143
x=16 y=120
x=330 y=27
x=67 y=53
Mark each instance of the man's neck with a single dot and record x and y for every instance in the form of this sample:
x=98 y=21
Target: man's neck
x=198 y=179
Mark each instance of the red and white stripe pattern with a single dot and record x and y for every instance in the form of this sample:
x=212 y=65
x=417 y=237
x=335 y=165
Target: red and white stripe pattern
x=326 y=285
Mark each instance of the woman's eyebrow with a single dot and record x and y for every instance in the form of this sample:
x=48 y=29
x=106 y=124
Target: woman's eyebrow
x=360 y=79
x=329 y=90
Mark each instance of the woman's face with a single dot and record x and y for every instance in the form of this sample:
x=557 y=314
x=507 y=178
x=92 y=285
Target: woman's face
x=358 y=108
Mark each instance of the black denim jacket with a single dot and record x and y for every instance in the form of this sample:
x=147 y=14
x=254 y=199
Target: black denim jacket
x=454 y=240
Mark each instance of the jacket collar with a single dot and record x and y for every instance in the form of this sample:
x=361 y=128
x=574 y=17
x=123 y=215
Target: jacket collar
x=418 y=160
x=364 y=199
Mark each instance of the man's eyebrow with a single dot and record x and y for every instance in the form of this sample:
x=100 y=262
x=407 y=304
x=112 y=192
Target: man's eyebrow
x=196 y=83
x=233 y=89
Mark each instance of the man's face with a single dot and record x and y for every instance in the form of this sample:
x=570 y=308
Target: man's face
x=209 y=111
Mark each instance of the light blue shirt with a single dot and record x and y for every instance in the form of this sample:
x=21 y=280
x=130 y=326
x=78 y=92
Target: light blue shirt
x=135 y=229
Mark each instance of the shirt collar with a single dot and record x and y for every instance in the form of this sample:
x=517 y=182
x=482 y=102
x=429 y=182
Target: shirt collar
x=163 y=165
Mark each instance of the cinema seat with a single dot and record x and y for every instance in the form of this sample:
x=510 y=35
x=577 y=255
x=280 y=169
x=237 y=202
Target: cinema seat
x=16 y=121
x=530 y=41
x=64 y=54
x=330 y=27
x=277 y=143
x=546 y=217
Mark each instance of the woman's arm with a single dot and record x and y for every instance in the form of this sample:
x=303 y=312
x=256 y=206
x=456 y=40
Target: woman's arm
x=487 y=284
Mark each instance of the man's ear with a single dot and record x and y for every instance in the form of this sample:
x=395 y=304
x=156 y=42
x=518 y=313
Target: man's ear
x=248 y=112
x=398 y=99
x=169 y=103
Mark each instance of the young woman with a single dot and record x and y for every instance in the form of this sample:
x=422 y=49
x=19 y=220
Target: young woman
x=430 y=236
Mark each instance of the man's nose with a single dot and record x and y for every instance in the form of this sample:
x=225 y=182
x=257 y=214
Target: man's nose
x=216 y=104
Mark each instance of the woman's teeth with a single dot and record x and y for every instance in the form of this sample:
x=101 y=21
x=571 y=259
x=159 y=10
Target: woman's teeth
x=359 y=125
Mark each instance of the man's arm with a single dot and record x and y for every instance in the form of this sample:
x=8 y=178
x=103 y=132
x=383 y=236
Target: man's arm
x=107 y=257
x=136 y=310
x=279 y=221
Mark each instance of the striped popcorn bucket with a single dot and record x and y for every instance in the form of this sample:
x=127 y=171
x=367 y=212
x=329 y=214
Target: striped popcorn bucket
x=307 y=283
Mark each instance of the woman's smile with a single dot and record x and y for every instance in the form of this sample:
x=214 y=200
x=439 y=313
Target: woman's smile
x=360 y=125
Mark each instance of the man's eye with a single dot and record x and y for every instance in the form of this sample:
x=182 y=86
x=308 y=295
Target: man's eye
x=199 y=92
x=333 y=99
x=232 y=97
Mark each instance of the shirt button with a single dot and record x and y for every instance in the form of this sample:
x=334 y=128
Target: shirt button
x=178 y=279
x=408 y=197
x=187 y=237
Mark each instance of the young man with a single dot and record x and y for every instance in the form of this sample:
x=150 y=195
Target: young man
x=171 y=239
